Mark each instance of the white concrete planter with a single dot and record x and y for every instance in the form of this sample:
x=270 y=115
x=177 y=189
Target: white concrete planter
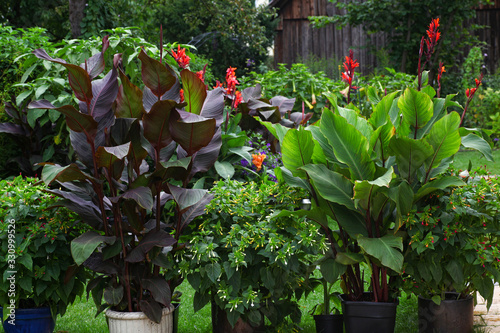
x=137 y=322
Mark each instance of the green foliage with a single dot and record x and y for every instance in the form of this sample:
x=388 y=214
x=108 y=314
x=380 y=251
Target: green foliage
x=35 y=233
x=454 y=240
x=252 y=265
x=297 y=82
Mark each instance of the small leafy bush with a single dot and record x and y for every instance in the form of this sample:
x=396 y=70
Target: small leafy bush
x=252 y=265
x=35 y=235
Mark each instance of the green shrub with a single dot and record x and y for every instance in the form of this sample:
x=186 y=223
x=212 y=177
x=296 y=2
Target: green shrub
x=35 y=237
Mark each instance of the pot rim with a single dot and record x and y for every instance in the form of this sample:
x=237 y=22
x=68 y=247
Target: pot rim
x=118 y=315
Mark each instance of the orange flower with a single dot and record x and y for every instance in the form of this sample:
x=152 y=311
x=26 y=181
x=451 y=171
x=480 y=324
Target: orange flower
x=181 y=95
x=258 y=159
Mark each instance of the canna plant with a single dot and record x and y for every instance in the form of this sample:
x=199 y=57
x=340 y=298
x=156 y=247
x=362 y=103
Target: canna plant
x=364 y=177
x=137 y=152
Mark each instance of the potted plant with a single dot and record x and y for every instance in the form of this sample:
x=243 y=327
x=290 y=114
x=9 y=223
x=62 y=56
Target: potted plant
x=250 y=267
x=453 y=252
x=137 y=151
x=327 y=318
x=40 y=276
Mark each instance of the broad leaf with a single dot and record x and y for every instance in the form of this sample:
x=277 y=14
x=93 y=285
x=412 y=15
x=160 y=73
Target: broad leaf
x=128 y=102
x=331 y=270
x=349 y=145
x=95 y=64
x=142 y=195
x=69 y=173
x=213 y=271
x=157 y=124
x=195 y=91
x=191 y=131
x=365 y=190
x=151 y=309
x=297 y=149
x=331 y=185
x=224 y=169
x=79 y=79
x=478 y=143
x=159 y=289
x=151 y=239
x=185 y=197
x=438 y=184
x=416 y=106
x=445 y=138
x=410 y=155
x=213 y=107
x=113 y=295
x=84 y=245
x=104 y=94
x=386 y=249
x=155 y=75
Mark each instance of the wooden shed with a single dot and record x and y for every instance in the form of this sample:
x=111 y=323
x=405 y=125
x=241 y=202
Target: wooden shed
x=297 y=39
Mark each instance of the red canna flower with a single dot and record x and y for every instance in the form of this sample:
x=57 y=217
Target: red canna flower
x=181 y=57
x=237 y=99
x=349 y=65
x=469 y=93
x=433 y=36
x=217 y=84
x=231 y=81
x=441 y=70
x=201 y=76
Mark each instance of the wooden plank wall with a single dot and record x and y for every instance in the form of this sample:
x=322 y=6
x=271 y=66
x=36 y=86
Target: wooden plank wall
x=297 y=39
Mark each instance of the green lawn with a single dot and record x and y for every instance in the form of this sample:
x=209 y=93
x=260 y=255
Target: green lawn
x=80 y=316
x=462 y=159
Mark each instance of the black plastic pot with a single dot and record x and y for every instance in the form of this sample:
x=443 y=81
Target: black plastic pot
x=368 y=317
x=452 y=312
x=176 y=316
x=329 y=323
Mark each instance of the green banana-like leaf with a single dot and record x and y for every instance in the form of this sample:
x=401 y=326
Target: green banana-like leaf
x=476 y=142
x=84 y=245
x=410 y=155
x=386 y=249
x=380 y=139
x=416 y=107
x=331 y=185
x=403 y=196
x=445 y=138
x=349 y=145
x=360 y=123
x=365 y=190
x=380 y=114
x=195 y=91
x=297 y=149
x=438 y=184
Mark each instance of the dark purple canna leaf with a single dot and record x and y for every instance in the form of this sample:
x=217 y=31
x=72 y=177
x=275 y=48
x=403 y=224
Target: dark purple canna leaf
x=178 y=170
x=151 y=239
x=69 y=173
x=112 y=158
x=284 y=104
x=155 y=75
x=151 y=309
x=95 y=64
x=142 y=195
x=76 y=121
x=13 y=129
x=159 y=289
x=299 y=119
x=137 y=153
x=128 y=103
x=79 y=79
x=214 y=106
x=156 y=124
x=86 y=209
x=195 y=91
x=185 y=197
x=13 y=112
x=205 y=158
x=148 y=98
x=251 y=92
x=96 y=264
x=191 y=131
x=104 y=92
x=272 y=116
x=195 y=210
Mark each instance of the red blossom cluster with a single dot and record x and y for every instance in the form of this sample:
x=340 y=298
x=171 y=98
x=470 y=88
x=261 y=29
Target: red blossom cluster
x=469 y=92
x=433 y=36
x=230 y=86
x=349 y=65
x=441 y=70
x=181 y=57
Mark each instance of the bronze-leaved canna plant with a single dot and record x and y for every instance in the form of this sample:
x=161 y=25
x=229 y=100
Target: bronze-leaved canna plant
x=137 y=150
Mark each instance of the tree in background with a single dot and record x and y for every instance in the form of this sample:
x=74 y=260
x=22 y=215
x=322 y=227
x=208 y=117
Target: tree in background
x=405 y=21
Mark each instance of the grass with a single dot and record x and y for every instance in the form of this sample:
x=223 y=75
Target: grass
x=80 y=317
x=462 y=159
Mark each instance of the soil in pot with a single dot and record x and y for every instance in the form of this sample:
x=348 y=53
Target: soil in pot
x=35 y=320
x=451 y=313
x=329 y=323
x=368 y=317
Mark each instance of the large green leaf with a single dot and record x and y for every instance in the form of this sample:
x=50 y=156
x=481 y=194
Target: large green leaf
x=475 y=142
x=416 y=106
x=128 y=102
x=402 y=195
x=195 y=91
x=321 y=140
x=360 y=123
x=386 y=249
x=380 y=114
x=213 y=271
x=331 y=185
x=349 y=145
x=438 y=184
x=380 y=139
x=440 y=106
x=445 y=138
x=157 y=124
x=410 y=155
x=297 y=150
x=331 y=270
x=191 y=131
x=84 y=245
x=156 y=76
x=365 y=190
